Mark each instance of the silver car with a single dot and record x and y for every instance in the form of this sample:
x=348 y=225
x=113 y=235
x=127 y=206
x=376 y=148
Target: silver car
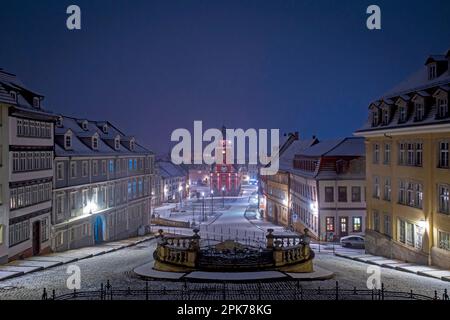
x=353 y=241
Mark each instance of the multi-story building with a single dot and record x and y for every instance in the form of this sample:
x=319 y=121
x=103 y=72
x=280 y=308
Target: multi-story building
x=275 y=198
x=408 y=169
x=102 y=184
x=26 y=159
x=326 y=189
x=174 y=181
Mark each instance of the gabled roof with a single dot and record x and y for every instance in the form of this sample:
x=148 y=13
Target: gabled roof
x=169 y=170
x=436 y=58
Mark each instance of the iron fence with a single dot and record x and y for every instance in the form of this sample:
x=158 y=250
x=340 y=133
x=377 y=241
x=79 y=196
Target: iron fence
x=292 y=290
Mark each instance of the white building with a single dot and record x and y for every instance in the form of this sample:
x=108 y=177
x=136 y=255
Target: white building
x=26 y=160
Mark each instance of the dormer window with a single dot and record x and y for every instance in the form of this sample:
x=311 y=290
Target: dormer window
x=84 y=125
x=105 y=128
x=385 y=116
x=117 y=143
x=402 y=113
x=13 y=95
x=36 y=102
x=68 y=140
x=432 y=71
x=420 y=111
x=95 y=142
x=442 y=108
x=375 y=117
x=132 y=144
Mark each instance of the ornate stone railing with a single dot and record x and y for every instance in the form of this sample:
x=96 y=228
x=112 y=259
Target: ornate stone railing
x=177 y=250
x=170 y=223
x=282 y=253
x=289 y=249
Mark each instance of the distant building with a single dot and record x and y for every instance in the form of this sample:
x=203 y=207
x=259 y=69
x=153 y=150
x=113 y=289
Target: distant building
x=26 y=174
x=174 y=181
x=408 y=169
x=225 y=178
x=327 y=188
x=102 y=184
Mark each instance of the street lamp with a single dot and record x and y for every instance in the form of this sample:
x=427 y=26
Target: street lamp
x=223 y=197
x=180 y=188
x=212 y=202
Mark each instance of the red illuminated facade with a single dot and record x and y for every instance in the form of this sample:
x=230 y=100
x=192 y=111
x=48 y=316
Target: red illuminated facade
x=225 y=177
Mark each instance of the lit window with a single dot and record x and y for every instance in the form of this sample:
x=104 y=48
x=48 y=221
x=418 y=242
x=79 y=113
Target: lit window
x=357 y=224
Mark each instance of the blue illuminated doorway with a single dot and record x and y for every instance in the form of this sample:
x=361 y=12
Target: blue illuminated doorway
x=98 y=229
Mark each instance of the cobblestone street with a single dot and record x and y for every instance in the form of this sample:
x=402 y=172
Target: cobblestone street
x=117 y=267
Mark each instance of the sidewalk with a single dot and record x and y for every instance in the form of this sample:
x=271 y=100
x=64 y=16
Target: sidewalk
x=428 y=271
x=18 y=268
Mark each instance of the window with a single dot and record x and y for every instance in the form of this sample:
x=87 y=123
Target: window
x=329 y=194
x=376 y=187
x=401 y=192
x=376 y=153
x=103 y=167
x=117 y=143
x=418 y=201
x=402 y=229
x=410 y=194
x=402 y=113
x=375 y=117
x=357 y=224
x=329 y=222
x=111 y=166
x=94 y=167
x=387 y=189
x=342 y=194
x=73 y=169
x=59 y=170
x=402 y=153
x=356 y=194
x=84 y=197
x=376 y=220
x=13 y=95
x=420 y=111
x=419 y=154
x=385 y=116
x=84 y=125
x=431 y=71
x=19 y=232
x=60 y=203
x=409 y=234
x=36 y=102
x=130 y=164
x=387 y=225
x=443 y=154
x=73 y=203
x=411 y=154
x=67 y=141
x=95 y=142
x=444 y=196
x=442 y=106
x=84 y=169
x=444 y=240
x=387 y=153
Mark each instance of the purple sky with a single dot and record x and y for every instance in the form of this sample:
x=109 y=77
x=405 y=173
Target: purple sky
x=153 y=66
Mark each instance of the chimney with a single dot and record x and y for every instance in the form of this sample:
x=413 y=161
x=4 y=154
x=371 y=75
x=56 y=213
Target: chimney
x=296 y=135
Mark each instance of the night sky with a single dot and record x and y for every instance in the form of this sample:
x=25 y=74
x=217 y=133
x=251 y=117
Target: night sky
x=153 y=66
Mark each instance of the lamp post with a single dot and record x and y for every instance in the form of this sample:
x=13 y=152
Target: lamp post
x=223 y=197
x=203 y=206
x=212 y=202
x=180 y=188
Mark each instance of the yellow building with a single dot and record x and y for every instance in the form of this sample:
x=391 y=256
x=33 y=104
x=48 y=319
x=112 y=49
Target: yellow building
x=407 y=168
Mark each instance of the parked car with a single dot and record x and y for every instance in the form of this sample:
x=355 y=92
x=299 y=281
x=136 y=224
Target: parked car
x=354 y=241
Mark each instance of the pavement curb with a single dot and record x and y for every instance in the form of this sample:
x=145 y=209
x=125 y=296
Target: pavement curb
x=74 y=259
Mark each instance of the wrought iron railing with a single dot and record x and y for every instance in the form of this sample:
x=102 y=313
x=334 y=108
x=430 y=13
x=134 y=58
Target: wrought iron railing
x=291 y=290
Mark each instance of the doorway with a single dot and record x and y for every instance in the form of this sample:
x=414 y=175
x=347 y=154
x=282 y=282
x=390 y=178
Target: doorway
x=98 y=229
x=36 y=236
x=343 y=226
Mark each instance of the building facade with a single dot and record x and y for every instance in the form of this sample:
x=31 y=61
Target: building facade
x=174 y=181
x=102 y=184
x=26 y=160
x=327 y=189
x=408 y=173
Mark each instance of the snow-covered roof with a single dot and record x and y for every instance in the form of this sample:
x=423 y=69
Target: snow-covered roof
x=80 y=145
x=169 y=170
